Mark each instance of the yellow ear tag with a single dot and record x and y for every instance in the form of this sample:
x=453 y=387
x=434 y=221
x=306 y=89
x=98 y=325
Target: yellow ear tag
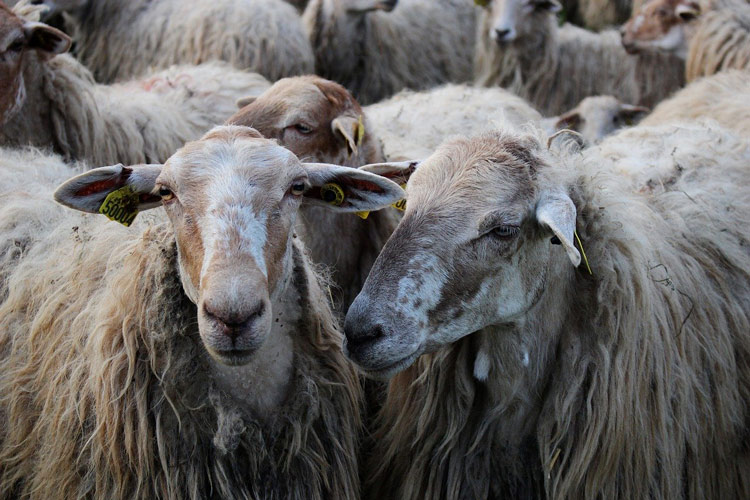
x=400 y=204
x=360 y=131
x=332 y=193
x=121 y=206
x=482 y=3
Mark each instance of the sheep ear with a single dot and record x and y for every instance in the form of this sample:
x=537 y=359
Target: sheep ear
x=103 y=190
x=687 y=11
x=244 y=101
x=557 y=211
x=349 y=189
x=550 y=5
x=570 y=120
x=631 y=115
x=46 y=39
x=351 y=129
x=399 y=171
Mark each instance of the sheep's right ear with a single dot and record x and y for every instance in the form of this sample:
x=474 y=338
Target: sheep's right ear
x=570 y=120
x=687 y=10
x=102 y=189
x=244 y=101
x=557 y=211
x=399 y=171
x=46 y=39
x=550 y=5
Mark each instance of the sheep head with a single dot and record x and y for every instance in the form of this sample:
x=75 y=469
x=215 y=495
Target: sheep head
x=661 y=25
x=597 y=117
x=473 y=249
x=18 y=37
x=316 y=119
x=512 y=20
x=232 y=199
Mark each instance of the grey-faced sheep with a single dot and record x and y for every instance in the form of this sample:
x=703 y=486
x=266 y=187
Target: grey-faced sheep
x=49 y=100
x=193 y=355
x=520 y=47
x=710 y=36
x=723 y=97
x=555 y=334
x=596 y=117
x=122 y=39
x=374 y=53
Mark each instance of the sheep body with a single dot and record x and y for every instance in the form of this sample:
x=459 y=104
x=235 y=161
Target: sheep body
x=411 y=125
x=719 y=40
x=265 y=36
x=602 y=411
x=422 y=43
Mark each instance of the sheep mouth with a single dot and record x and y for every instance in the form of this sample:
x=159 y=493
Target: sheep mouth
x=389 y=370
x=234 y=357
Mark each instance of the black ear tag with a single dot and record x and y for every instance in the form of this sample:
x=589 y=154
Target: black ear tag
x=555 y=241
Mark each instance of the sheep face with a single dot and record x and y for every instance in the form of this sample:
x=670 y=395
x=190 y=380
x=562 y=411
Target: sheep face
x=232 y=199
x=597 y=117
x=472 y=250
x=512 y=20
x=318 y=120
x=17 y=39
x=660 y=25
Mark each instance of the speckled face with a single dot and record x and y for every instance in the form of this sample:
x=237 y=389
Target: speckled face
x=660 y=25
x=453 y=264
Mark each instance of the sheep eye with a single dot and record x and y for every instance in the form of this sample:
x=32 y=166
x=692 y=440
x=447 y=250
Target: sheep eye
x=505 y=232
x=165 y=194
x=302 y=129
x=16 y=46
x=298 y=188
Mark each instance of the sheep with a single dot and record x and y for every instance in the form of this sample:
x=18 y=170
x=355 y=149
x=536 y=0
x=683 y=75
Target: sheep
x=413 y=124
x=709 y=36
x=197 y=359
x=596 y=117
x=374 y=54
x=120 y=40
x=48 y=99
x=722 y=97
x=520 y=47
x=601 y=14
x=518 y=375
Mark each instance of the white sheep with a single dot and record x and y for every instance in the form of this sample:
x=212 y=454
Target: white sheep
x=192 y=355
x=596 y=117
x=520 y=47
x=374 y=52
x=723 y=97
x=49 y=100
x=553 y=333
x=123 y=39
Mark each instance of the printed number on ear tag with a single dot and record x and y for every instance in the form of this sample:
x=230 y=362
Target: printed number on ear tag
x=121 y=206
x=400 y=204
x=332 y=193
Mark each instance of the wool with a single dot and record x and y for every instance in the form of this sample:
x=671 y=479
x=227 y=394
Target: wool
x=720 y=40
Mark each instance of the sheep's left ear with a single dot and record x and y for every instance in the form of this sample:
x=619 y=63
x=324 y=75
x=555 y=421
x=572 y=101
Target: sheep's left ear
x=351 y=129
x=117 y=192
x=550 y=5
x=397 y=171
x=570 y=120
x=244 y=101
x=349 y=189
x=46 y=39
x=557 y=211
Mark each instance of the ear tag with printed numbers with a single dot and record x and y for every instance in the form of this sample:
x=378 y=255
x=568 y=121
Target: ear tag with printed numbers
x=121 y=206
x=399 y=205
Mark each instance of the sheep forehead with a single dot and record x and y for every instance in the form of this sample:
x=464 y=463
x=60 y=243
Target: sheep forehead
x=296 y=99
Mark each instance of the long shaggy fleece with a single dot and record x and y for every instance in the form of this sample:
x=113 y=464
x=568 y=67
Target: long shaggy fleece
x=723 y=97
x=419 y=45
x=411 y=125
x=555 y=68
x=720 y=40
x=632 y=382
x=141 y=121
x=106 y=389
x=119 y=40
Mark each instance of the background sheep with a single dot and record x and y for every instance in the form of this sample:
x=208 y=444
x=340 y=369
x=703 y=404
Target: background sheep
x=374 y=54
x=629 y=381
x=600 y=14
x=596 y=117
x=53 y=102
x=119 y=39
x=723 y=97
x=148 y=382
x=554 y=67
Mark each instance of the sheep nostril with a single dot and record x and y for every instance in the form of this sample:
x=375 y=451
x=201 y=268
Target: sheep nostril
x=502 y=34
x=233 y=324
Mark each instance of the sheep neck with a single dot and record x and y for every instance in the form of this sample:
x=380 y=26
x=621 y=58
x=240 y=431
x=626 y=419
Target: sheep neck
x=264 y=383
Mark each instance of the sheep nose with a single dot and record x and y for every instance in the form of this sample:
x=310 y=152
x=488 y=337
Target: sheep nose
x=502 y=34
x=362 y=330
x=233 y=323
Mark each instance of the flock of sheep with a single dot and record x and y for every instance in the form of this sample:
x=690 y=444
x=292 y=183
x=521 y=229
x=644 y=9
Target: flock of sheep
x=235 y=301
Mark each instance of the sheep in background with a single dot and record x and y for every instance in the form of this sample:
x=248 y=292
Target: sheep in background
x=710 y=36
x=374 y=52
x=53 y=102
x=596 y=117
x=723 y=97
x=119 y=40
x=519 y=372
x=193 y=355
x=520 y=47
x=598 y=14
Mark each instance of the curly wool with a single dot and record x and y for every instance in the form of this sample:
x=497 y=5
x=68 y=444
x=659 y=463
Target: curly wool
x=106 y=389
x=265 y=36
x=635 y=384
